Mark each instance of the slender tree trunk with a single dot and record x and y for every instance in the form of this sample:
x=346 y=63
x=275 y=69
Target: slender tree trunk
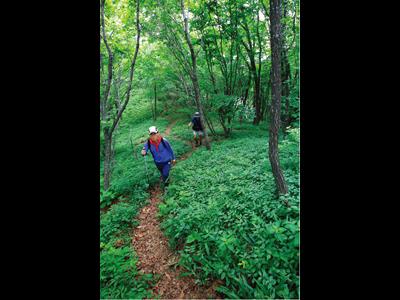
x=259 y=117
x=276 y=96
x=221 y=115
x=285 y=73
x=107 y=105
x=200 y=108
x=209 y=122
x=267 y=97
x=257 y=101
x=193 y=76
x=210 y=125
x=246 y=94
x=251 y=53
x=186 y=87
x=107 y=158
x=286 y=88
x=210 y=67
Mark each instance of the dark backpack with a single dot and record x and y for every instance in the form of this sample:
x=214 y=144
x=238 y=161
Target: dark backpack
x=148 y=145
x=196 y=124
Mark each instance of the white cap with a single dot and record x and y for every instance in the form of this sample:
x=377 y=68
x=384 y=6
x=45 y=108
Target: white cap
x=153 y=129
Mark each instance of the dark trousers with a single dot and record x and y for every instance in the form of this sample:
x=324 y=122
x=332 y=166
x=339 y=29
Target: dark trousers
x=164 y=169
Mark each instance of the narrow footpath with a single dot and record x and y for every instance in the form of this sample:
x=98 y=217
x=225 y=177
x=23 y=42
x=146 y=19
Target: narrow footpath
x=156 y=257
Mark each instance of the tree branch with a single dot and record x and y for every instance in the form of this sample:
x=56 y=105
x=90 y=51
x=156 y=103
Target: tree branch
x=132 y=69
x=110 y=62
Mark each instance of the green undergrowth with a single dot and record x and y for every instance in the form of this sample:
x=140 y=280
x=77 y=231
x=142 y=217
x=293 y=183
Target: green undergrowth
x=222 y=208
x=119 y=277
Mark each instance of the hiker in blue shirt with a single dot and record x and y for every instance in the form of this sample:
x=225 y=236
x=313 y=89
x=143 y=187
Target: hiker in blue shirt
x=197 y=128
x=161 y=151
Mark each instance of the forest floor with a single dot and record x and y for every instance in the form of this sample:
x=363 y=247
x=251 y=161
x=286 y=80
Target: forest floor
x=155 y=256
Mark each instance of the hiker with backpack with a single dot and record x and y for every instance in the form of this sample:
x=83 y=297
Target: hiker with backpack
x=197 y=128
x=161 y=151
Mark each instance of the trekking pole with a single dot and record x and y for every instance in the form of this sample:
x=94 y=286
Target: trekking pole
x=147 y=173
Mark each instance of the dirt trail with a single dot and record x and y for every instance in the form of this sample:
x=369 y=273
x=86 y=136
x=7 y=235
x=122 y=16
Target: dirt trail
x=169 y=127
x=156 y=257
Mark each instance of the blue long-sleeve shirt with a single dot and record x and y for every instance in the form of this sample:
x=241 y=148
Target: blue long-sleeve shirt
x=164 y=154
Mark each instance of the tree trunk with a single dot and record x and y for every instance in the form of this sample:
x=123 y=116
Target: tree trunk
x=286 y=88
x=221 y=115
x=104 y=104
x=193 y=76
x=200 y=108
x=246 y=94
x=107 y=158
x=257 y=101
x=107 y=105
x=285 y=74
x=258 y=108
x=250 y=49
x=208 y=121
x=210 y=125
x=276 y=96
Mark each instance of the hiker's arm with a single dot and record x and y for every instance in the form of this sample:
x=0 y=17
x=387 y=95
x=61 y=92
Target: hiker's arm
x=190 y=124
x=144 y=150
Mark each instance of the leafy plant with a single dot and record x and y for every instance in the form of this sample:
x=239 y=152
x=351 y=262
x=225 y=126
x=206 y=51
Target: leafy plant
x=119 y=277
x=106 y=197
x=232 y=226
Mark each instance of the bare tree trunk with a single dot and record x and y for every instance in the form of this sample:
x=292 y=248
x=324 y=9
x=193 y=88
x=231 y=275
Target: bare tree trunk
x=285 y=74
x=251 y=54
x=210 y=125
x=209 y=122
x=186 y=87
x=286 y=88
x=246 y=94
x=132 y=69
x=106 y=105
x=107 y=158
x=257 y=106
x=276 y=96
x=209 y=66
x=259 y=117
x=221 y=115
x=193 y=76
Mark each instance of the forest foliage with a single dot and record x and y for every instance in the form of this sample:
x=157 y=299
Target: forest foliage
x=222 y=211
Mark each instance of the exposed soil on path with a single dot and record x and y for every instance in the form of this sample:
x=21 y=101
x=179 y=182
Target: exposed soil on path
x=169 y=127
x=156 y=257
